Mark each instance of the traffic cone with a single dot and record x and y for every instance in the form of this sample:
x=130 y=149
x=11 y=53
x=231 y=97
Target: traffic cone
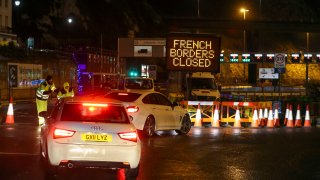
x=276 y=117
x=270 y=123
x=255 y=123
x=286 y=115
x=10 y=117
x=265 y=117
x=307 y=122
x=215 y=118
x=198 y=122
x=237 y=123
x=261 y=117
x=298 y=122
x=290 y=118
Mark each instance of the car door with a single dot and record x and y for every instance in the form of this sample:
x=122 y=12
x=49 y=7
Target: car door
x=167 y=112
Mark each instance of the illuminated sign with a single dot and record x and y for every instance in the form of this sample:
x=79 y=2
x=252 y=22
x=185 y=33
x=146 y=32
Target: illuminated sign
x=234 y=58
x=193 y=52
x=246 y=58
x=268 y=73
x=270 y=57
x=258 y=57
x=295 y=58
x=221 y=57
x=307 y=57
x=318 y=58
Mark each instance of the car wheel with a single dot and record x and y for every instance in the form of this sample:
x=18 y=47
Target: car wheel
x=149 y=126
x=50 y=171
x=185 y=125
x=132 y=173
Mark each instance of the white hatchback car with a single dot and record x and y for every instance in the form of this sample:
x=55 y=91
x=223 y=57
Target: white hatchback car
x=90 y=132
x=151 y=111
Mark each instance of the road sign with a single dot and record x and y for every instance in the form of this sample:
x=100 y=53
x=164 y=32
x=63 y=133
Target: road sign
x=268 y=73
x=280 y=60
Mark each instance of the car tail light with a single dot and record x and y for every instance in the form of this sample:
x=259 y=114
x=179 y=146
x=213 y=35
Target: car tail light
x=132 y=109
x=95 y=105
x=62 y=133
x=130 y=136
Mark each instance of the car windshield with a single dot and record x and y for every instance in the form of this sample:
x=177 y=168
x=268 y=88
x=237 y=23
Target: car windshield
x=123 y=96
x=203 y=83
x=138 y=84
x=88 y=112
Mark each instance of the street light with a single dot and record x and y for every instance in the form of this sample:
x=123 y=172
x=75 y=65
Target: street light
x=17 y=3
x=243 y=10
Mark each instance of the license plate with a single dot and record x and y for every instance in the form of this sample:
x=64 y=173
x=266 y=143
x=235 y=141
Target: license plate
x=96 y=137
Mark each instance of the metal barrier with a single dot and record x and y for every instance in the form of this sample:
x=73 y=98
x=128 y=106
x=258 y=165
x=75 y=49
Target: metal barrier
x=206 y=107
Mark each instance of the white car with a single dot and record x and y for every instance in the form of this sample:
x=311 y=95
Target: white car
x=151 y=111
x=90 y=132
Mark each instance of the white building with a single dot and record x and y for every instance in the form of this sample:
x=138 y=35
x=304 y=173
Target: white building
x=6 y=34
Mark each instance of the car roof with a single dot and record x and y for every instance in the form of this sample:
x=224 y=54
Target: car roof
x=138 y=91
x=95 y=99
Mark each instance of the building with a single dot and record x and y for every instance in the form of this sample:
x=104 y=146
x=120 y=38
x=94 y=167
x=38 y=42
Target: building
x=6 y=34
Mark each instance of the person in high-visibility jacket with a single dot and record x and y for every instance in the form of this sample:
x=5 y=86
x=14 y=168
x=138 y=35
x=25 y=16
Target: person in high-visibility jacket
x=42 y=95
x=67 y=91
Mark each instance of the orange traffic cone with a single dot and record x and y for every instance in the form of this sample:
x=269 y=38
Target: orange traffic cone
x=198 y=122
x=237 y=123
x=10 y=117
x=265 y=117
x=307 y=122
x=255 y=123
x=215 y=118
x=298 y=122
x=270 y=123
x=290 y=118
x=276 y=117
x=286 y=115
x=261 y=117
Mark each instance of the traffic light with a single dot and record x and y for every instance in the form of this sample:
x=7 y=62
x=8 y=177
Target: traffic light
x=234 y=58
x=246 y=58
x=133 y=72
x=257 y=58
x=295 y=58
x=221 y=57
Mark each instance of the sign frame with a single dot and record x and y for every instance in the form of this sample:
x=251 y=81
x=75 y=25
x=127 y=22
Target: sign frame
x=193 y=52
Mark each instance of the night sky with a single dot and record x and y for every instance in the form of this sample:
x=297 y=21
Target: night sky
x=46 y=19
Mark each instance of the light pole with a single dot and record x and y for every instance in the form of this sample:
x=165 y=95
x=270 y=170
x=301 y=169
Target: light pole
x=244 y=28
x=307 y=63
x=243 y=10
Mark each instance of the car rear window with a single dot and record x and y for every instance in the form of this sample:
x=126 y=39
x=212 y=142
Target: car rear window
x=87 y=112
x=123 y=96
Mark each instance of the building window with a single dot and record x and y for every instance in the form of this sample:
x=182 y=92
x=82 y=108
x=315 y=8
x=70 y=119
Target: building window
x=6 y=21
x=6 y=3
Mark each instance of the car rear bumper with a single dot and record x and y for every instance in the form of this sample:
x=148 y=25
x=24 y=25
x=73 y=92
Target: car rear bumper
x=93 y=164
x=94 y=155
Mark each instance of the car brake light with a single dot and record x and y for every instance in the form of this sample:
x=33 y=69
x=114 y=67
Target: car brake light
x=132 y=109
x=95 y=105
x=62 y=133
x=130 y=136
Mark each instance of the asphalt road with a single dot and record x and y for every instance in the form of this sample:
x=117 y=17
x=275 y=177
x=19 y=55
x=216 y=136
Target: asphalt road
x=205 y=153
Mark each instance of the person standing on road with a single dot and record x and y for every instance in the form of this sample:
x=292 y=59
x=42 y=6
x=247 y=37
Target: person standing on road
x=67 y=91
x=42 y=95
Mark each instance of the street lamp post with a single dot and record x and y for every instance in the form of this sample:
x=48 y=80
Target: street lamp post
x=307 y=64
x=243 y=10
